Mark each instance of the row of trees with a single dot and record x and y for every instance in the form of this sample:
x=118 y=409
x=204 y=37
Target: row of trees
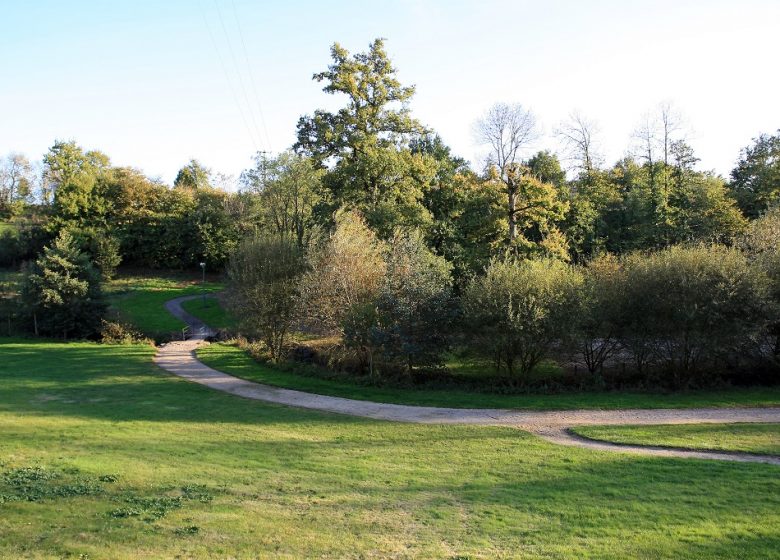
x=374 y=157
x=680 y=315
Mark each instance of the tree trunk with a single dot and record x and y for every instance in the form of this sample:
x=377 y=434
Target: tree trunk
x=512 y=192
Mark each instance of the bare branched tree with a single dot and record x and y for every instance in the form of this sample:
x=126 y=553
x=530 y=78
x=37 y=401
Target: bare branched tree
x=509 y=130
x=579 y=136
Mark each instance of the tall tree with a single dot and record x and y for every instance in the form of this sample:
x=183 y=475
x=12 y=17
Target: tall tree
x=579 y=136
x=755 y=180
x=61 y=291
x=367 y=142
x=290 y=187
x=16 y=182
x=193 y=176
x=533 y=206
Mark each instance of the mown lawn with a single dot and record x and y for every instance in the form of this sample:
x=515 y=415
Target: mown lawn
x=104 y=456
x=750 y=438
x=233 y=360
x=139 y=300
x=210 y=312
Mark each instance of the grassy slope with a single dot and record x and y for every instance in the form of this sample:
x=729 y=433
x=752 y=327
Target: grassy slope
x=293 y=484
x=139 y=300
x=212 y=313
x=231 y=359
x=751 y=438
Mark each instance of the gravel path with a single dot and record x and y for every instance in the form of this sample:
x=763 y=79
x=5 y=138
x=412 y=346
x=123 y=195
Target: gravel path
x=179 y=359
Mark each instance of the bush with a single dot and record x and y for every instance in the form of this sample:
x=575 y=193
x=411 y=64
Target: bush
x=263 y=289
x=409 y=322
x=517 y=312
x=346 y=269
x=762 y=245
x=598 y=314
x=684 y=307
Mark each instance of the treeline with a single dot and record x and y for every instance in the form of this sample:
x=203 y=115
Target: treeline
x=435 y=226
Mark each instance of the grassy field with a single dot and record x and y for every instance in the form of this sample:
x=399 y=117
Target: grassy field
x=139 y=300
x=233 y=360
x=751 y=438
x=212 y=313
x=104 y=456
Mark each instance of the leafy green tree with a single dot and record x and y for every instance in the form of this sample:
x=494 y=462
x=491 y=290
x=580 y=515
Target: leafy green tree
x=518 y=311
x=290 y=188
x=373 y=170
x=193 y=176
x=61 y=293
x=263 y=288
x=16 y=183
x=546 y=167
x=79 y=199
x=755 y=180
x=762 y=245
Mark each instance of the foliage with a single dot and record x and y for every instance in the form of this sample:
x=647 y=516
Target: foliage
x=193 y=176
x=17 y=181
x=408 y=323
x=599 y=314
x=263 y=289
x=762 y=244
x=289 y=188
x=346 y=269
x=686 y=307
x=518 y=311
x=372 y=170
x=61 y=292
x=755 y=180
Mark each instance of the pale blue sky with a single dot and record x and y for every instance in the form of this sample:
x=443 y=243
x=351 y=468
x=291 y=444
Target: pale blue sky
x=145 y=80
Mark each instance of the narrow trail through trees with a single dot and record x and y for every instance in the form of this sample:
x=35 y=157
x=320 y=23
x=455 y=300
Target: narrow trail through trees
x=179 y=358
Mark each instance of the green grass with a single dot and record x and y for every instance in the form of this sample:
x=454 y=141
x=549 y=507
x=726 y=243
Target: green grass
x=750 y=438
x=212 y=313
x=104 y=456
x=139 y=300
x=233 y=360
x=6 y=226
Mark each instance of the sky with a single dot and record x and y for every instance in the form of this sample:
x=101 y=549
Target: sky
x=155 y=83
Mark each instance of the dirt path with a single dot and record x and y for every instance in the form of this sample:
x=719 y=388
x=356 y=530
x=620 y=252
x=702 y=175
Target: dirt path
x=179 y=359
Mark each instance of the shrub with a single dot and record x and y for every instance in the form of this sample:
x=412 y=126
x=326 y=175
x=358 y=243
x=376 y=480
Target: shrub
x=517 y=312
x=598 y=313
x=410 y=320
x=684 y=306
x=263 y=278
x=762 y=245
x=346 y=269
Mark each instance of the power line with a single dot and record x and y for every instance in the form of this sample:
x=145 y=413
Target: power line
x=238 y=70
x=251 y=75
x=227 y=78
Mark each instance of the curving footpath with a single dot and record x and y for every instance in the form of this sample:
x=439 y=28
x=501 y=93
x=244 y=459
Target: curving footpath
x=179 y=358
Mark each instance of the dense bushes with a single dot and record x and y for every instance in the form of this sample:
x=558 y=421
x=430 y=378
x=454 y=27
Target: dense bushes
x=683 y=316
x=518 y=311
x=685 y=309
